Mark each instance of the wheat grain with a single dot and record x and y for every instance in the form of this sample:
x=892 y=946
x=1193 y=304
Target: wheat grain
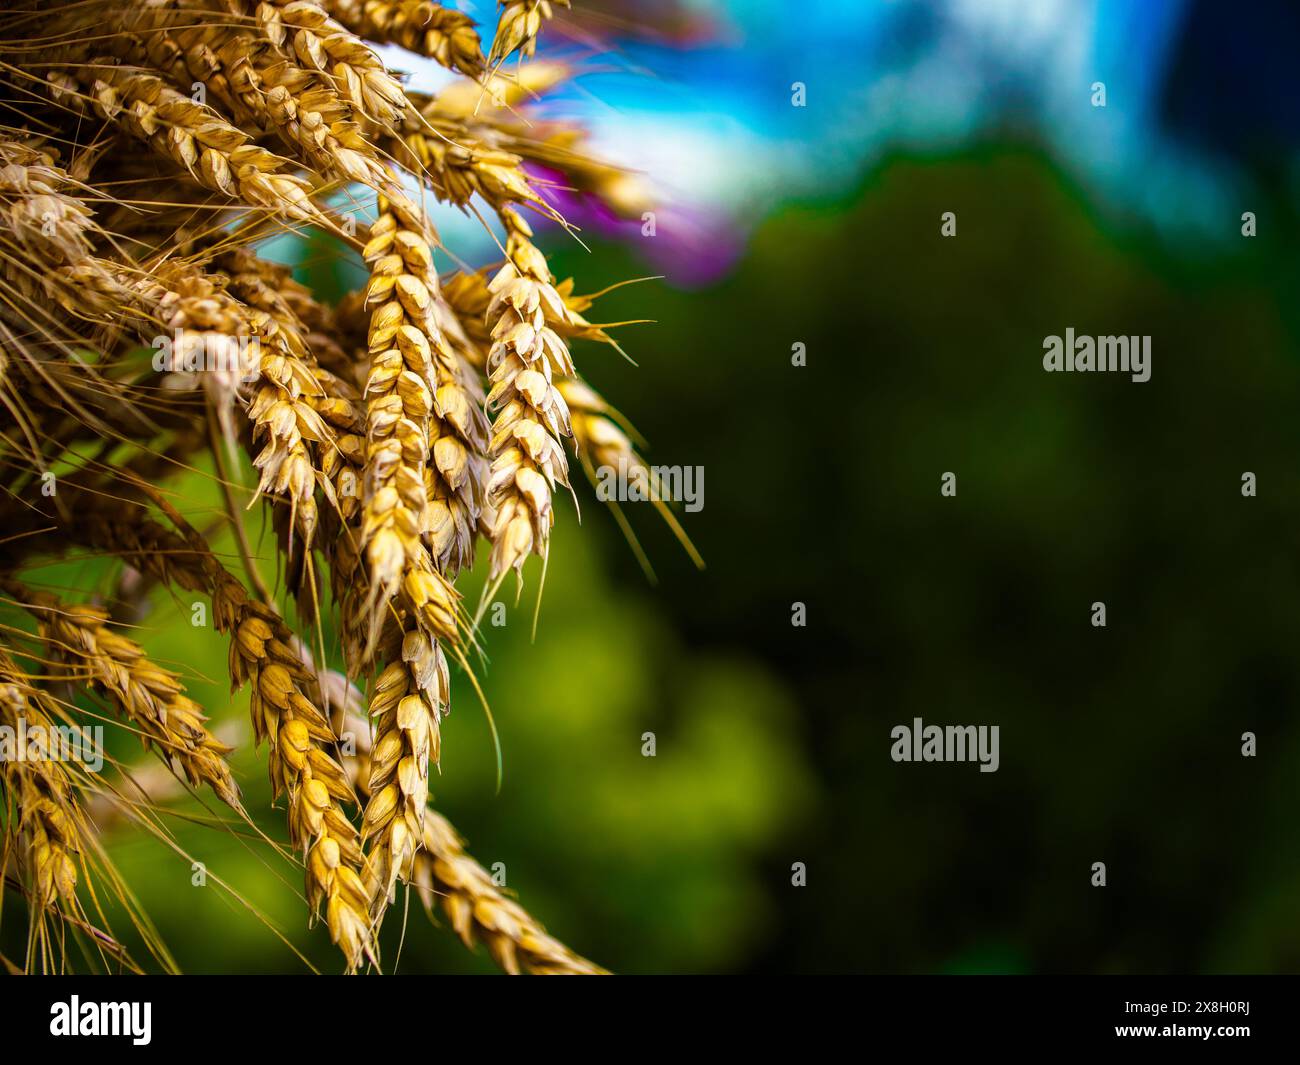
x=469 y=294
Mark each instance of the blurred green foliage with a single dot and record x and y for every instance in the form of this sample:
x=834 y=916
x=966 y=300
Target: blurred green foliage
x=1119 y=745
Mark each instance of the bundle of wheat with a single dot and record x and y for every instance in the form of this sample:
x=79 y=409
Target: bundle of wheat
x=148 y=148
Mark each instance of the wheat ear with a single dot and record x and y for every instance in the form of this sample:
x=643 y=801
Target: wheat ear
x=260 y=80
x=478 y=910
x=442 y=870
x=408 y=696
x=282 y=411
x=420 y=26
x=151 y=698
x=303 y=769
x=527 y=458
x=404 y=713
x=50 y=825
x=215 y=153
x=415 y=412
x=304 y=29
x=520 y=23
x=302 y=765
x=48 y=233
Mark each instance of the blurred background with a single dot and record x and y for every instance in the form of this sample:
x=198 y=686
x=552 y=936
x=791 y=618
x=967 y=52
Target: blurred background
x=777 y=225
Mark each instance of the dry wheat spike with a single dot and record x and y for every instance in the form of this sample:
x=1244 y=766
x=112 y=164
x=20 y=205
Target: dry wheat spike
x=148 y=151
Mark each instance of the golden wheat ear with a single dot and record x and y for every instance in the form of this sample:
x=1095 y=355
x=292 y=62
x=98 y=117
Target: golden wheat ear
x=478 y=910
x=49 y=827
x=303 y=761
x=517 y=29
x=419 y=26
x=150 y=698
x=443 y=874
